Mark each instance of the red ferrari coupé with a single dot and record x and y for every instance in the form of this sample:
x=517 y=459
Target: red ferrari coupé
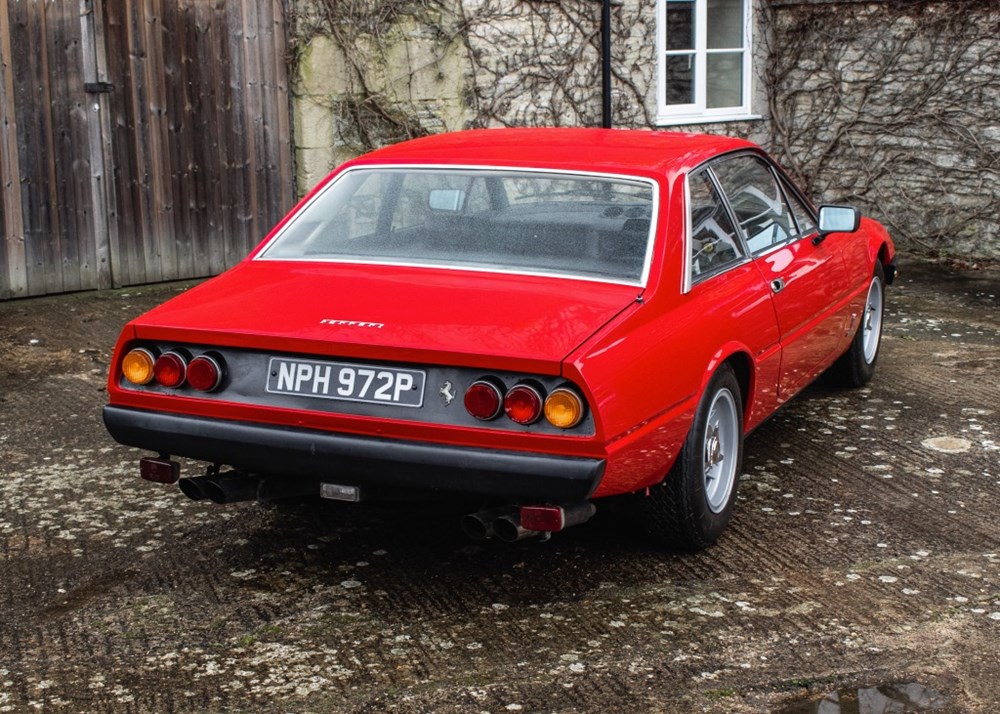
x=534 y=317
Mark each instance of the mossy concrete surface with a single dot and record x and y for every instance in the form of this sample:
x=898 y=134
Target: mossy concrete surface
x=864 y=553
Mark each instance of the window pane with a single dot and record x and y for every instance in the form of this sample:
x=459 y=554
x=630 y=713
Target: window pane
x=713 y=236
x=759 y=203
x=725 y=80
x=680 y=25
x=725 y=24
x=680 y=79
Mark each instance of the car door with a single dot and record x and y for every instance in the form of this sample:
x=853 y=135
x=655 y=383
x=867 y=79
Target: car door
x=807 y=280
x=726 y=296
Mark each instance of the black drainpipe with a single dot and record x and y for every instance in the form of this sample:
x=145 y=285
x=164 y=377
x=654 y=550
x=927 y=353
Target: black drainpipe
x=606 y=64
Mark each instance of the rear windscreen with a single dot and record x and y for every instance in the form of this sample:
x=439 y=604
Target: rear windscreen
x=499 y=220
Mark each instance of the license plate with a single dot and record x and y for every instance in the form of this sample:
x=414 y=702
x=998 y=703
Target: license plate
x=347 y=382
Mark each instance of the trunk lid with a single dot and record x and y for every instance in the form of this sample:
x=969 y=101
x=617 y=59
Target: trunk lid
x=399 y=314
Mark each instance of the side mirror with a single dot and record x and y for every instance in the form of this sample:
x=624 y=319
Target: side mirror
x=446 y=199
x=837 y=219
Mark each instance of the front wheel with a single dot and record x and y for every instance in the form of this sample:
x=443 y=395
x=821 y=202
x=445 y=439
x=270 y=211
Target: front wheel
x=691 y=507
x=856 y=367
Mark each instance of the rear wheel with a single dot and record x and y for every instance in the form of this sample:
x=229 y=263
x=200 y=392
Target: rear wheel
x=691 y=507
x=855 y=367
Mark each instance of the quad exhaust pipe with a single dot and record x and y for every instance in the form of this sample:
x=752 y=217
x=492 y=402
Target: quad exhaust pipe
x=509 y=523
x=513 y=523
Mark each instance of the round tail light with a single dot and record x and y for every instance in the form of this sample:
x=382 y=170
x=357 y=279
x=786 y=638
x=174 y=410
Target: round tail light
x=170 y=370
x=137 y=366
x=564 y=408
x=484 y=400
x=204 y=373
x=523 y=404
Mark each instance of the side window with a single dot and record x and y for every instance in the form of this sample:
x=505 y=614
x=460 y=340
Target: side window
x=803 y=218
x=713 y=236
x=757 y=200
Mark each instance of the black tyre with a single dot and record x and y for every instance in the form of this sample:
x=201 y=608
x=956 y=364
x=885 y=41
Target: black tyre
x=691 y=507
x=856 y=366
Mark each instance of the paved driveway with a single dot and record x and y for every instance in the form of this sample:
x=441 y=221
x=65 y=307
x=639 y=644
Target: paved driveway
x=863 y=562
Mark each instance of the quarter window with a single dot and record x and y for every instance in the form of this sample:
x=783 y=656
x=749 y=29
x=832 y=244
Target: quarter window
x=704 y=60
x=713 y=242
x=802 y=215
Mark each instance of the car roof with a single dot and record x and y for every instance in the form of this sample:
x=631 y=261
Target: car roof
x=602 y=150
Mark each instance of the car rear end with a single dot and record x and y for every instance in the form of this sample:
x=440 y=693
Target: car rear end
x=404 y=332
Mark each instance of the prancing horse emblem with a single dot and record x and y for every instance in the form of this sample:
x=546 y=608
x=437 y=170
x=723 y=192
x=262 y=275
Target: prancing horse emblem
x=448 y=392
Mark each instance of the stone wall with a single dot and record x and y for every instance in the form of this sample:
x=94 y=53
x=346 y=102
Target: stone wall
x=888 y=104
x=893 y=106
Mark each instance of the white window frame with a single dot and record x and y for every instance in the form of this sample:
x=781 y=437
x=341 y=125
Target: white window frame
x=698 y=112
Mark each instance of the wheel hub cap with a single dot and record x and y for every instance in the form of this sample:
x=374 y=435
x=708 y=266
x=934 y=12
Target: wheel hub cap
x=720 y=454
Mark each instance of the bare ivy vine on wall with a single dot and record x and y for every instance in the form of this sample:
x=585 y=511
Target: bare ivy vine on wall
x=893 y=106
x=526 y=62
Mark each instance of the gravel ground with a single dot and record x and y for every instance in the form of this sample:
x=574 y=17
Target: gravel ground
x=863 y=563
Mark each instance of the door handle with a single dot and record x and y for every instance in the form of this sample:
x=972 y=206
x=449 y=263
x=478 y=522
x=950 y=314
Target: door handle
x=777 y=285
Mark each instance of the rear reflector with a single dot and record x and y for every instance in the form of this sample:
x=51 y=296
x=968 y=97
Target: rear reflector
x=553 y=519
x=159 y=470
x=542 y=518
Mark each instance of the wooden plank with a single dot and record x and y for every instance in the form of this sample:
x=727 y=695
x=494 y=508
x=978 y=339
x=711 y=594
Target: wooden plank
x=54 y=248
x=269 y=114
x=283 y=137
x=137 y=136
x=157 y=151
x=102 y=184
x=277 y=134
x=254 y=107
x=129 y=262
x=175 y=135
x=13 y=272
x=39 y=206
x=195 y=151
x=199 y=152
x=71 y=159
x=243 y=182
x=217 y=82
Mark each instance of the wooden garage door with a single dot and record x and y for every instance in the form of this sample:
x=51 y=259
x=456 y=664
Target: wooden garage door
x=139 y=141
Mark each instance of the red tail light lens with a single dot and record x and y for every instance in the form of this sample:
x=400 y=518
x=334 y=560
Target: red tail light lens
x=484 y=400
x=523 y=404
x=170 y=369
x=204 y=373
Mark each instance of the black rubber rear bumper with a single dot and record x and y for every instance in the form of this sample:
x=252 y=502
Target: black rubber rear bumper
x=358 y=460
